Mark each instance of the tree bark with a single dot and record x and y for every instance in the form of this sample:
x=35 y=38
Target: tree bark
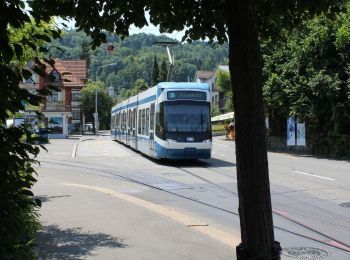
x=252 y=166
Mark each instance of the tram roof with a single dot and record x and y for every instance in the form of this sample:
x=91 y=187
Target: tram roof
x=184 y=85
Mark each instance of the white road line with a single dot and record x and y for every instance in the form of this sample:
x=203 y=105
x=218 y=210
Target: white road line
x=314 y=175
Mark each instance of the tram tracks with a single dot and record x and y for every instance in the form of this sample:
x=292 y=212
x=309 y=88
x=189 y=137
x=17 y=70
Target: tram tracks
x=330 y=241
x=333 y=242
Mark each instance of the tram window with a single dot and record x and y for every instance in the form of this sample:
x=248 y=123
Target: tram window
x=124 y=120
x=147 y=122
x=135 y=118
x=139 y=126
x=118 y=120
x=152 y=117
x=160 y=121
x=143 y=122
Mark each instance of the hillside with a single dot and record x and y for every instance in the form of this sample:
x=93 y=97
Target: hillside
x=134 y=57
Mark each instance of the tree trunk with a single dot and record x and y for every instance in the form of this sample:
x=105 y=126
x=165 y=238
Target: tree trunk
x=252 y=167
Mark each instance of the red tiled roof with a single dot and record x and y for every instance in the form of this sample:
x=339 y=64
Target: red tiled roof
x=204 y=74
x=75 y=71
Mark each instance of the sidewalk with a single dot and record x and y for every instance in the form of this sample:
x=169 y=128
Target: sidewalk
x=82 y=221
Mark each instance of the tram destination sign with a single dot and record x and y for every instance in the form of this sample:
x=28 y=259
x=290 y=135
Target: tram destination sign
x=193 y=95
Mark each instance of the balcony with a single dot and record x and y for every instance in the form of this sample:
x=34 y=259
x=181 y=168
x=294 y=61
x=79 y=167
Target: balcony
x=55 y=106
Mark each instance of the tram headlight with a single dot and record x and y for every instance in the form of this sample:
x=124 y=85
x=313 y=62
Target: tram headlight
x=171 y=140
x=207 y=141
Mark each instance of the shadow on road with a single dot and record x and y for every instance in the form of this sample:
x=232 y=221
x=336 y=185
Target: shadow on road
x=45 y=198
x=211 y=163
x=56 y=243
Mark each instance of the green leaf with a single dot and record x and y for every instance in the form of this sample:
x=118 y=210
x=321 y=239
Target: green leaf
x=27 y=192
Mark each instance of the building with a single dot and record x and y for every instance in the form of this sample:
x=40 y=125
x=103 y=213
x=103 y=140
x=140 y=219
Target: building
x=61 y=109
x=203 y=76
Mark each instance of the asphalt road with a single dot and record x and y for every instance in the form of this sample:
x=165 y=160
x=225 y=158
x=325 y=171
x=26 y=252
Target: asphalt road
x=307 y=194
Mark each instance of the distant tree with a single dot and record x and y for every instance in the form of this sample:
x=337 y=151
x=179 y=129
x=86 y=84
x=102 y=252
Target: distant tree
x=85 y=51
x=87 y=103
x=140 y=85
x=163 y=72
x=215 y=110
x=155 y=72
x=183 y=72
x=223 y=80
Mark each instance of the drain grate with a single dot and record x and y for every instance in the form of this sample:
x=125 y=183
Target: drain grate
x=345 y=204
x=305 y=253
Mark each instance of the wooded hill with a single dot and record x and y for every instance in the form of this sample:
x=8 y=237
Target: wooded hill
x=134 y=57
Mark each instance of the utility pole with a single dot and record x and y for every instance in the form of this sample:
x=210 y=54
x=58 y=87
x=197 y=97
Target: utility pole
x=96 y=114
x=96 y=104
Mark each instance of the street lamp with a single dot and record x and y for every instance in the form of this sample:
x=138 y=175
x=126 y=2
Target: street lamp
x=96 y=114
x=106 y=65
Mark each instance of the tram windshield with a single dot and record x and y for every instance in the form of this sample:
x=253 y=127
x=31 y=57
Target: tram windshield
x=187 y=116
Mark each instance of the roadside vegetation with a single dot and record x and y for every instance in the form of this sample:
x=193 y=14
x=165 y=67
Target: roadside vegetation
x=307 y=75
x=21 y=42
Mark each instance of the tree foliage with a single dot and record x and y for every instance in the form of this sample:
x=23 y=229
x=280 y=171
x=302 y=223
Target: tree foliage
x=87 y=103
x=223 y=81
x=307 y=76
x=135 y=57
x=21 y=40
x=155 y=72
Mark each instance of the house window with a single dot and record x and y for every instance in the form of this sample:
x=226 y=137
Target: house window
x=75 y=96
x=76 y=114
x=55 y=76
x=53 y=96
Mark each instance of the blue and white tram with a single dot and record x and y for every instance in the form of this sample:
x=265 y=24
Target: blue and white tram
x=170 y=120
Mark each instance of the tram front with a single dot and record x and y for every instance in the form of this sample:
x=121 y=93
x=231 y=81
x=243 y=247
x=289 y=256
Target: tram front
x=183 y=125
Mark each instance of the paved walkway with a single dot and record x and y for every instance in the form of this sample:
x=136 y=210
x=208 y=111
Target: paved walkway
x=85 y=216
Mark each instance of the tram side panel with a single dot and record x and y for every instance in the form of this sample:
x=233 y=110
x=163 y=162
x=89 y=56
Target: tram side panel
x=144 y=129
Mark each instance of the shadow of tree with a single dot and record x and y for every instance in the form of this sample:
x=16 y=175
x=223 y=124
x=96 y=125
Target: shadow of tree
x=55 y=243
x=45 y=198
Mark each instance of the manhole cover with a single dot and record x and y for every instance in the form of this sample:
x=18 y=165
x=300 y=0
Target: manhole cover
x=345 y=204
x=306 y=253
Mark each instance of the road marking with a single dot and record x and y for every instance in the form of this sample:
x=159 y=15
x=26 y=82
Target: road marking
x=188 y=221
x=74 y=152
x=314 y=175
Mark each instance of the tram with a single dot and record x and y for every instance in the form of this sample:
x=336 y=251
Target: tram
x=168 y=121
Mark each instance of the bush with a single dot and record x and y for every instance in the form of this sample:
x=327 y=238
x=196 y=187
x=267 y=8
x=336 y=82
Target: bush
x=18 y=210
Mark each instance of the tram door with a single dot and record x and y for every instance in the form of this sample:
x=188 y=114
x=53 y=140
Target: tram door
x=151 y=131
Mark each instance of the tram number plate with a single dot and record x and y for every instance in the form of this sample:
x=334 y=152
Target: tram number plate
x=190 y=139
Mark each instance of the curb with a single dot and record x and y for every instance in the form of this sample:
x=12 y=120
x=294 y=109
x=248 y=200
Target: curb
x=74 y=153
